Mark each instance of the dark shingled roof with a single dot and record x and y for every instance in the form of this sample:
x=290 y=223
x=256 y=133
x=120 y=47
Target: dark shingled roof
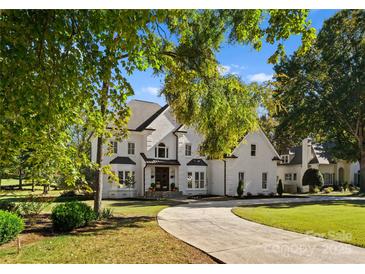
x=197 y=162
x=276 y=158
x=313 y=161
x=297 y=160
x=146 y=123
x=123 y=161
x=168 y=162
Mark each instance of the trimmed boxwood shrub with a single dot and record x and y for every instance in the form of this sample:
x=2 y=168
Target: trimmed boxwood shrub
x=10 y=226
x=279 y=188
x=240 y=188
x=71 y=215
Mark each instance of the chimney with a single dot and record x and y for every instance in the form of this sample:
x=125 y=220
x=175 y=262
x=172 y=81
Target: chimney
x=306 y=151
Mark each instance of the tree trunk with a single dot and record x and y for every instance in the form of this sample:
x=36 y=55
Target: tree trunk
x=99 y=153
x=45 y=189
x=32 y=185
x=362 y=171
x=20 y=179
x=99 y=177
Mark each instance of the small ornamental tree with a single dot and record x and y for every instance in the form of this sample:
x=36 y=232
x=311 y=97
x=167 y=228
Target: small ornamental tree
x=279 y=188
x=240 y=188
x=129 y=182
x=312 y=177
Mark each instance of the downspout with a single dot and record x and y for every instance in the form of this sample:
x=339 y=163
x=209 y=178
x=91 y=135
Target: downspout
x=176 y=146
x=177 y=158
x=144 y=179
x=225 y=177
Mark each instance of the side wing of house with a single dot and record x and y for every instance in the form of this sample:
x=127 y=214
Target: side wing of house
x=253 y=161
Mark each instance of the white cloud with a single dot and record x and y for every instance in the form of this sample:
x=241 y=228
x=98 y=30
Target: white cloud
x=238 y=66
x=151 y=90
x=259 y=77
x=223 y=69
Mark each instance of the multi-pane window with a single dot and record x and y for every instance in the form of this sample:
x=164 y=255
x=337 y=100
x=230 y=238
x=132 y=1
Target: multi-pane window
x=253 y=150
x=121 y=177
x=264 y=180
x=196 y=180
x=294 y=176
x=114 y=145
x=131 y=148
x=328 y=178
x=190 y=180
x=241 y=176
x=161 y=151
x=285 y=159
x=188 y=150
x=202 y=180
x=288 y=177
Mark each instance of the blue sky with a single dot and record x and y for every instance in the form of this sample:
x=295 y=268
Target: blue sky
x=249 y=64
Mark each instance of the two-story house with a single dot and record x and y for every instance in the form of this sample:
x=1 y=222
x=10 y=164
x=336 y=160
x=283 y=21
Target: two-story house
x=161 y=151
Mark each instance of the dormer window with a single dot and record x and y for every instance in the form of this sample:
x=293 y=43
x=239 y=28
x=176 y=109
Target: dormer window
x=161 y=151
x=285 y=159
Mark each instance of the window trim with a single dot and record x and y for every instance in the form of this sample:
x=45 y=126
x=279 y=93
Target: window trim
x=157 y=151
x=289 y=176
x=131 y=147
x=114 y=145
x=266 y=180
x=186 y=150
x=255 y=150
x=124 y=176
x=196 y=180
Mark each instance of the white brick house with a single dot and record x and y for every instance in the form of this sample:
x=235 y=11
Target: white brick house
x=159 y=150
x=309 y=155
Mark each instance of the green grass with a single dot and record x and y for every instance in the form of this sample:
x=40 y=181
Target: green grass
x=342 y=221
x=132 y=236
x=11 y=182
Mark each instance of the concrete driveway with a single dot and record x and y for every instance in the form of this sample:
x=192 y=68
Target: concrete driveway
x=213 y=228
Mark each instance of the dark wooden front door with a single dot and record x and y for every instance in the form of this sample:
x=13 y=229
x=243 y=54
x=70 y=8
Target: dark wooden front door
x=162 y=178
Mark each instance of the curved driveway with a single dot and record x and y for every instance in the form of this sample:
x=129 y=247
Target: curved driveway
x=213 y=228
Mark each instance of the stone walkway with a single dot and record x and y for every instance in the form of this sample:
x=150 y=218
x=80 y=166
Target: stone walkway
x=213 y=228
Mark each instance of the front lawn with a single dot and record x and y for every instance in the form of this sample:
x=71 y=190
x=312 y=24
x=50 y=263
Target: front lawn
x=132 y=236
x=342 y=221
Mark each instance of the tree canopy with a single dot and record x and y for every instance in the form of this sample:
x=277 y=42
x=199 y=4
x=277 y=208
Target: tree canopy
x=63 y=69
x=322 y=93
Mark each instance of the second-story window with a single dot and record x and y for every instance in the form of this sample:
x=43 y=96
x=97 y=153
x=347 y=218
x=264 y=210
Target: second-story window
x=188 y=150
x=161 y=151
x=131 y=148
x=253 y=150
x=114 y=145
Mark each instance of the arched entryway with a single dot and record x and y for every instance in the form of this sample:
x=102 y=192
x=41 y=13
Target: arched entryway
x=341 y=176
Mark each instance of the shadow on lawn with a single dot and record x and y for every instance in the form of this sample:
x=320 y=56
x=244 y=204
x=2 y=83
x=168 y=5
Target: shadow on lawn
x=355 y=203
x=43 y=226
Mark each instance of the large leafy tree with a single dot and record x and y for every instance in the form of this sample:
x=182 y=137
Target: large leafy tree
x=62 y=69
x=322 y=93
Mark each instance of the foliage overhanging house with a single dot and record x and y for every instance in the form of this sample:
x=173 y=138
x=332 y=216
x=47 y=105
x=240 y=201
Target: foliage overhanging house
x=298 y=159
x=159 y=150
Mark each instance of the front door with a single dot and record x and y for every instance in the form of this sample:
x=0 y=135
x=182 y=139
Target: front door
x=162 y=178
